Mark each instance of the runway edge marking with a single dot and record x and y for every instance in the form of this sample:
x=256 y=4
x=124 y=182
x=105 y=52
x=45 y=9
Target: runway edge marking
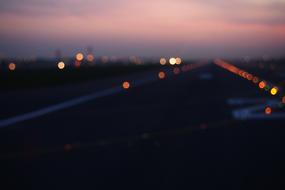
x=67 y=104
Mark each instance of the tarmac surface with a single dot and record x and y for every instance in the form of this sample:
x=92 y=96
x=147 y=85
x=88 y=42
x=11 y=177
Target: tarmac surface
x=179 y=132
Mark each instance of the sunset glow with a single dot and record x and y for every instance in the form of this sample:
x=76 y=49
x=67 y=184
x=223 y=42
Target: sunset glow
x=206 y=28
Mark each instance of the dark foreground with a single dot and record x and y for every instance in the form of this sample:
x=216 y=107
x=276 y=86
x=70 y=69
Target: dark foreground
x=176 y=133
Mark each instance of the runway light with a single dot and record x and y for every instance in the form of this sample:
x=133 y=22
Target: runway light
x=79 y=56
x=249 y=77
x=61 y=65
x=262 y=85
x=126 y=85
x=90 y=58
x=178 y=60
x=274 y=91
x=12 y=66
x=172 y=61
x=268 y=110
x=176 y=70
x=161 y=75
x=255 y=80
x=162 y=61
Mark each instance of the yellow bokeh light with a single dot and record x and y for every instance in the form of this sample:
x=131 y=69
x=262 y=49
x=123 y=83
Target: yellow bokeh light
x=12 y=66
x=172 y=61
x=61 y=65
x=274 y=91
x=163 y=61
x=79 y=56
x=178 y=60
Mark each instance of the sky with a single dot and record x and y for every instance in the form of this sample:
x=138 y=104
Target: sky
x=188 y=28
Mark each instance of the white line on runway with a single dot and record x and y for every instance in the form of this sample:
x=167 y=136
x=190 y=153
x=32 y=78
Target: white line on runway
x=83 y=99
x=70 y=103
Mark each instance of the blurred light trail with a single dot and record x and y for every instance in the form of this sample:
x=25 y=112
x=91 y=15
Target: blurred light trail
x=262 y=85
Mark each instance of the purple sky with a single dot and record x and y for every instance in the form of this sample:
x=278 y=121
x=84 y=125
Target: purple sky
x=189 y=28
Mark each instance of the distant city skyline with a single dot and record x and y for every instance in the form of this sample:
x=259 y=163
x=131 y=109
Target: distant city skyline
x=187 y=28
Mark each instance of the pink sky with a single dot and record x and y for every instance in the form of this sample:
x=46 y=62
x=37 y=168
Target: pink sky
x=150 y=28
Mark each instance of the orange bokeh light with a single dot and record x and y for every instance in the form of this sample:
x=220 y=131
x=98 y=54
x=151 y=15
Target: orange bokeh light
x=126 y=85
x=79 y=56
x=178 y=60
x=161 y=75
x=283 y=100
x=163 y=61
x=268 y=111
x=262 y=85
x=12 y=66
x=61 y=65
x=249 y=77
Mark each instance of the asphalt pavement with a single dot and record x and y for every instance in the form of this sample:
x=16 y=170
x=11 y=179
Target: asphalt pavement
x=177 y=132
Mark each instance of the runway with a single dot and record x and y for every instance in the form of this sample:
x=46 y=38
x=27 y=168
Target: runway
x=160 y=133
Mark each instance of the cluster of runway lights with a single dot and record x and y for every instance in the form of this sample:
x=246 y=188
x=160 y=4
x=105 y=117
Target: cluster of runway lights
x=161 y=74
x=79 y=58
x=176 y=70
x=262 y=84
x=172 y=61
